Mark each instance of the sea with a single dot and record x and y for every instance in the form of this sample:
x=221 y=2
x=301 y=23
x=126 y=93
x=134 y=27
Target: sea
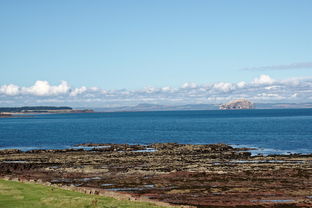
x=270 y=131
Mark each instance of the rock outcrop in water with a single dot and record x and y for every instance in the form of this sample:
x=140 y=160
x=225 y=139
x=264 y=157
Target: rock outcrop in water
x=237 y=104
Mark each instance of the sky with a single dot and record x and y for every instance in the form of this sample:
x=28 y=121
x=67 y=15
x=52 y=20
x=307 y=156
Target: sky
x=124 y=52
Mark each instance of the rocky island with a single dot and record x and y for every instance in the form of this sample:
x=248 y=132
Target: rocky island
x=237 y=104
x=207 y=175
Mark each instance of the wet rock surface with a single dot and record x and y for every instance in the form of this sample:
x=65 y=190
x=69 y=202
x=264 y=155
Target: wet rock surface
x=214 y=175
x=9 y=151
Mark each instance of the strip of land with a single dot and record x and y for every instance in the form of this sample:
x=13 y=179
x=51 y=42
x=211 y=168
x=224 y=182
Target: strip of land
x=8 y=111
x=215 y=175
x=26 y=195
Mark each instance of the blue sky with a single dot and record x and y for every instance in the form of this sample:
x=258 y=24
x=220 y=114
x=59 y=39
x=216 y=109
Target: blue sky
x=131 y=45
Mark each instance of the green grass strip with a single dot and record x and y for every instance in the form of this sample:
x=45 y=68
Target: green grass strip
x=24 y=195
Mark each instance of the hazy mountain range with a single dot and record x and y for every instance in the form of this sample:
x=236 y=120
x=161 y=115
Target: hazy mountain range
x=156 y=107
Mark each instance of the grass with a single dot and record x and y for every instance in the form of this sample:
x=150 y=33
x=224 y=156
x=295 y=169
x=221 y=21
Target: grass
x=24 y=195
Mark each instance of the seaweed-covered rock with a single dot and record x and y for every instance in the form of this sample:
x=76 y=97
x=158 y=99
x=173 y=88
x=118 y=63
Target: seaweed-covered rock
x=10 y=151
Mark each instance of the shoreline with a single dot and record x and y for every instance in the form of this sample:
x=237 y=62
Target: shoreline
x=251 y=148
x=214 y=175
x=97 y=191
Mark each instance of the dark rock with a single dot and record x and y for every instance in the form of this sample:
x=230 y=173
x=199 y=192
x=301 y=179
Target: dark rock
x=9 y=151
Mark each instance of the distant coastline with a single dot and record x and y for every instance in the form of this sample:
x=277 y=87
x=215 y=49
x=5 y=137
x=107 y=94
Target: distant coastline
x=10 y=111
x=147 y=107
x=6 y=112
x=5 y=115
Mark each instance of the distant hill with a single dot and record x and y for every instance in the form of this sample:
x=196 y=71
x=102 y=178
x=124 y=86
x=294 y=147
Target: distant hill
x=155 y=107
x=282 y=105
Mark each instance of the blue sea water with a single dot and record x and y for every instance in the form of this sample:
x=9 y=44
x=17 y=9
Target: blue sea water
x=272 y=131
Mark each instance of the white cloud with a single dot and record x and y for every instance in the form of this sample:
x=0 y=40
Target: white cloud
x=9 y=89
x=295 y=95
x=262 y=88
x=189 y=85
x=268 y=95
x=166 y=89
x=223 y=86
x=263 y=79
x=151 y=90
x=241 y=84
x=271 y=87
x=78 y=91
x=43 y=88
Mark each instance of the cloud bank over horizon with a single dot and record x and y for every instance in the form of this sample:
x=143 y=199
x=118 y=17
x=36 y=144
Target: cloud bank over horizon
x=261 y=89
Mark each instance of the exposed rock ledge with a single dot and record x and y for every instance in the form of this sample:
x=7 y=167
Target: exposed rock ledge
x=215 y=175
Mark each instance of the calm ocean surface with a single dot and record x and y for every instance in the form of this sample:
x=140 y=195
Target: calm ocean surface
x=273 y=131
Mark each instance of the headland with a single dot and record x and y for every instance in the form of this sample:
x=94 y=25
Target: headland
x=9 y=111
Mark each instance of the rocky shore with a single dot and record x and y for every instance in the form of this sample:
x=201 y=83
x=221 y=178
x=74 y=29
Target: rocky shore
x=5 y=115
x=215 y=175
